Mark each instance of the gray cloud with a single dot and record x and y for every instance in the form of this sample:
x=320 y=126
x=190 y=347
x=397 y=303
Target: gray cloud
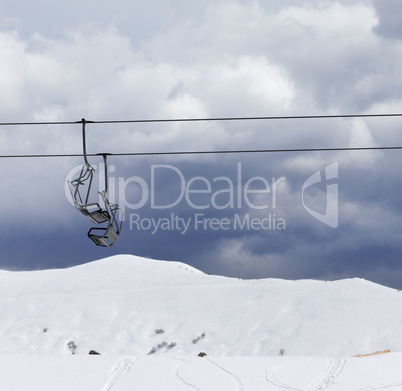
x=390 y=18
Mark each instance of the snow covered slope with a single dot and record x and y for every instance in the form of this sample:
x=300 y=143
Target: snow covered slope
x=170 y=373
x=126 y=305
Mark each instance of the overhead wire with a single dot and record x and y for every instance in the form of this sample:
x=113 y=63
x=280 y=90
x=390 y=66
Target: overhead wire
x=299 y=117
x=240 y=151
x=204 y=119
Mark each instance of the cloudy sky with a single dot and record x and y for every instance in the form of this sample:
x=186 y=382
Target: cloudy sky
x=325 y=215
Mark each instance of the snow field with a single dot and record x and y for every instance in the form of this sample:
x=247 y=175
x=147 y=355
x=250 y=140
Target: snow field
x=150 y=319
x=170 y=373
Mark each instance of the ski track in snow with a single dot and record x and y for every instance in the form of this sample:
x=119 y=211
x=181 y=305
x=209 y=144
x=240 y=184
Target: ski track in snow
x=270 y=378
x=122 y=367
x=277 y=384
x=380 y=387
x=234 y=377
x=178 y=378
x=335 y=368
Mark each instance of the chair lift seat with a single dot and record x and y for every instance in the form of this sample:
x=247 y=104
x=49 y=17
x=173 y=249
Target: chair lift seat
x=106 y=238
x=109 y=234
x=97 y=216
x=92 y=210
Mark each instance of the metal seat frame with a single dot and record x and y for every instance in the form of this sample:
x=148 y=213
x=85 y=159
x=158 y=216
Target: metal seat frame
x=107 y=235
x=92 y=210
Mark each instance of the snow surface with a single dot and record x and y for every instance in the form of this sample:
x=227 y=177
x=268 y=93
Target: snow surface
x=165 y=373
x=126 y=307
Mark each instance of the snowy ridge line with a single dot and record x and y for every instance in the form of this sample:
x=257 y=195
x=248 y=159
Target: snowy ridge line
x=122 y=367
x=234 y=377
x=176 y=375
x=280 y=314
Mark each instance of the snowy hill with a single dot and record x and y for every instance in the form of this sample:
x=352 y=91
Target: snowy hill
x=126 y=305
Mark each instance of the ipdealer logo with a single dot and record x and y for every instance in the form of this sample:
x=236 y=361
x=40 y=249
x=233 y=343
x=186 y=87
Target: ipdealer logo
x=330 y=216
x=253 y=199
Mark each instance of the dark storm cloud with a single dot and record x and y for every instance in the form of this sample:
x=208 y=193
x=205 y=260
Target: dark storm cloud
x=390 y=18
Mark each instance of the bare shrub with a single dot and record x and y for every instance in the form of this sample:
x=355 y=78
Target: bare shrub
x=196 y=339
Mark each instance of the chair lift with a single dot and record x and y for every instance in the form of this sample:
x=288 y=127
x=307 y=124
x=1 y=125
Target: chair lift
x=80 y=190
x=91 y=210
x=106 y=236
